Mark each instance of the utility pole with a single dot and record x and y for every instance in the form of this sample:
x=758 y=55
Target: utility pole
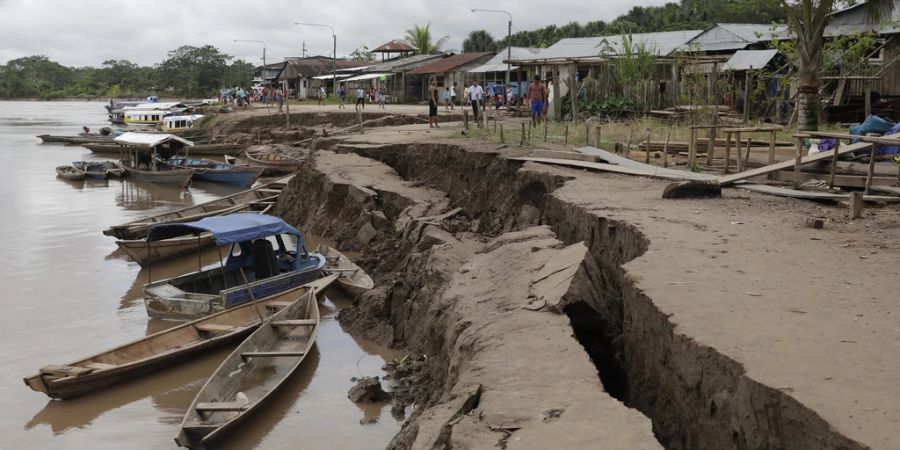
x=333 y=55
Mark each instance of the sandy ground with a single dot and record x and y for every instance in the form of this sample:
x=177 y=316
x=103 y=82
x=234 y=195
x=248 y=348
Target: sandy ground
x=812 y=313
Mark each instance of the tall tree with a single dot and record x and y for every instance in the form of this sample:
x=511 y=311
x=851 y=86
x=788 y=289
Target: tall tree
x=193 y=71
x=807 y=19
x=479 y=41
x=420 y=38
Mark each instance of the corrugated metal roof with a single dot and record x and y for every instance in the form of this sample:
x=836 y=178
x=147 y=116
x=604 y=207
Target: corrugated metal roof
x=394 y=47
x=749 y=59
x=662 y=43
x=496 y=63
x=451 y=63
x=734 y=36
x=401 y=64
x=148 y=140
x=313 y=66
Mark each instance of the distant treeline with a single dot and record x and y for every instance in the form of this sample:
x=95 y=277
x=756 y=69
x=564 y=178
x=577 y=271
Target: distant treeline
x=684 y=15
x=187 y=72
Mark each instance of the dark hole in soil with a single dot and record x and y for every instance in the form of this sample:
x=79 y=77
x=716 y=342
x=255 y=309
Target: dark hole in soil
x=593 y=334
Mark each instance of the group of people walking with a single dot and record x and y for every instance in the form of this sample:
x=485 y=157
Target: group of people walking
x=374 y=95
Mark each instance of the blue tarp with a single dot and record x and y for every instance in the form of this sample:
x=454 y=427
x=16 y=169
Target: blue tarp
x=230 y=229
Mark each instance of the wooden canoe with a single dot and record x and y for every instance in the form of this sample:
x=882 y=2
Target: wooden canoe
x=144 y=253
x=178 y=177
x=70 y=172
x=251 y=374
x=260 y=196
x=352 y=279
x=273 y=163
x=159 y=350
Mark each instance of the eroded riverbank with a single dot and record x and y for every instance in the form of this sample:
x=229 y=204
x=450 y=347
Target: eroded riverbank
x=659 y=302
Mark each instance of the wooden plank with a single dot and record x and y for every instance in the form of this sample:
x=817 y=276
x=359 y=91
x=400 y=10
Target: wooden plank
x=617 y=160
x=222 y=406
x=847 y=149
x=806 y=195
x=655 y=172
x=843 y=181
x=294 y=323
x=887 y=189
x=246 y=355
x=542 y=153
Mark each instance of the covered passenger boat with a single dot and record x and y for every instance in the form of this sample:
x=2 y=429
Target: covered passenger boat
x=261 y=261
x=144 y=156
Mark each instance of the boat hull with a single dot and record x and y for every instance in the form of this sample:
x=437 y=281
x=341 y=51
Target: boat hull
x=289 y=344
x=140 y=252
x=70 y=173
x=239 y=176
x=353 y=279
x=167 y=347
x=160 y=305
x=241 y=200
x=179 y=177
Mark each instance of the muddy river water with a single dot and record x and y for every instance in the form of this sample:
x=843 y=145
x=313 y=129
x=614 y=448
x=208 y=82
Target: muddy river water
x=67 y=293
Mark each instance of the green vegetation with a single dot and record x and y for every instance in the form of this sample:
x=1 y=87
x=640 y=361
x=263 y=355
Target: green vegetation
x=479 y=41
x=684 y=15
x=187 y=72
x=420 y=38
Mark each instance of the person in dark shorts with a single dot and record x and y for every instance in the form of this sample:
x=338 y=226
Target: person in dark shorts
x=432 y=103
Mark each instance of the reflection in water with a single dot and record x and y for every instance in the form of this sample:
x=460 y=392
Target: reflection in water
x=164 y=386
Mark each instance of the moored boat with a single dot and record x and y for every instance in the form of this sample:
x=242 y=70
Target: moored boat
x=145 y=253
x=156 y=351
x=100 y=169
x=352 y=279
x=259 y=263
x=218 y=172
x=251 y=374
x=273 y=163
x=70 y=172
x=175 y=124
x=146 y=155
x=259 y=197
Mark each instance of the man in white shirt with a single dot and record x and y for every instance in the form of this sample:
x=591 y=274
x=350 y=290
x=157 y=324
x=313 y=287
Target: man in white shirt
x=476 y=95
x=453 y=96
x=360 y=98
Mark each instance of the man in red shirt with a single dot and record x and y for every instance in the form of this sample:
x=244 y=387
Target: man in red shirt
x=536 y=94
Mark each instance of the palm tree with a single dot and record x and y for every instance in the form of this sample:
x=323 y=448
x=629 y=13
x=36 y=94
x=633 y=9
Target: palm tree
x=420 y=38
x=479 y=41
x=807 y=20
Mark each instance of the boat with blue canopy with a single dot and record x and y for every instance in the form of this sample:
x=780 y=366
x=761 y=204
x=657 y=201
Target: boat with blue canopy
x=262 y=260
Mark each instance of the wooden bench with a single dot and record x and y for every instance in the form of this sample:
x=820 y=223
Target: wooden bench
x=294 y=323
x=214 y=327
x=246 y=355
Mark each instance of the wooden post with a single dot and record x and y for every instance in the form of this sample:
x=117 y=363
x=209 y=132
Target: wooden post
x=834 y=160
x=495 y=127
x=573 y=92
x=502 y=140
x=628 y=144
x=772 y=152
x=747 y=95
x=466 y=118
x=868 y=100
x=666 y=148
x=566 y=142
x=727 y=150
x=798 y=156
x=545 y=130
x=598 y=137
x=587 y=134
x=647 y=153
x=522 y=140
x=692 y=147
x=856 y=205
x=711 y=149
x=738 y=144
x=530 y=127
x=359 y=117
x=871 y=170
x=747 y=153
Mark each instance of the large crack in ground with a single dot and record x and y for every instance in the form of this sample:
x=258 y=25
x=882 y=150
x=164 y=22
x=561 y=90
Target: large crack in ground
x=695 y=396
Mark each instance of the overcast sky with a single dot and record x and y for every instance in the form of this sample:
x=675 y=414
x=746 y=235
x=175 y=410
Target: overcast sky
x=88 y=32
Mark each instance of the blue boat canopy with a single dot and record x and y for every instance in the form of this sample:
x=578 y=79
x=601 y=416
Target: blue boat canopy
x=230 y=229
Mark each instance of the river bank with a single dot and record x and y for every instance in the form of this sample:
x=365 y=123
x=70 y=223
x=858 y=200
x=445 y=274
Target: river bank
x=705 y=316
